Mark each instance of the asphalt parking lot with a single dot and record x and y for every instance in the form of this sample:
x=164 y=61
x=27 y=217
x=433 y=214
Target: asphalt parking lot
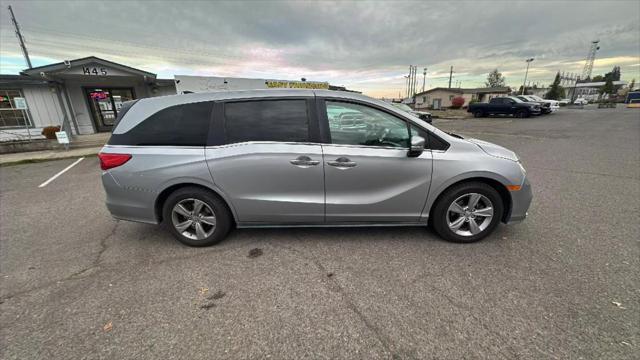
x=564 y=284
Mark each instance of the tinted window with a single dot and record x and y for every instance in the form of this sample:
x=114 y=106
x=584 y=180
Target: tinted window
x=266 y=120
x=354 y=124
x=180 y=125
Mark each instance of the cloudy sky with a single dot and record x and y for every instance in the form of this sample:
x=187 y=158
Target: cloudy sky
x=366 y=46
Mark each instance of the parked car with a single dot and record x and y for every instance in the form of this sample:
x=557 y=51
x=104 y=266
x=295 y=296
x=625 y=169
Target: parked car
x=508 y=105
x=204 y=163
x=547 y=105
x=581 y=101
x=423 y=115
x=563 y=102
x=545 y=108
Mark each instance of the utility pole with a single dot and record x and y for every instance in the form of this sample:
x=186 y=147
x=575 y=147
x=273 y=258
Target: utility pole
x=524 y=84
x=20 y=38
x=450 y=75
x=424 y=78
x=407 y=85
x=415 y=79
x=412 y=75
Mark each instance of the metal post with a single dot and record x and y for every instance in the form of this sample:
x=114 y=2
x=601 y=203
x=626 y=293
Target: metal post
x=424 y=78
x=26 y=123
x=575 y=85
x=524 y=83
x=450 y=75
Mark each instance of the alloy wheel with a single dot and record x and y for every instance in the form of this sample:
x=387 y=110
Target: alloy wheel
x=193 y=219
x=470 y=214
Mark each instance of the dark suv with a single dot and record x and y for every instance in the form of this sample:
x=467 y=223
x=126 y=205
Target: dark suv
x=508 y=105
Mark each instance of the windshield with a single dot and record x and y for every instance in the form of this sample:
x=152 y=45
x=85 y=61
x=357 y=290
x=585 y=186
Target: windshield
x=404 y=107
x=536 y=98
x=515 y=99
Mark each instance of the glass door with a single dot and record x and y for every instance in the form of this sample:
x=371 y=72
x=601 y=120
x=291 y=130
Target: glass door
x=105 y=103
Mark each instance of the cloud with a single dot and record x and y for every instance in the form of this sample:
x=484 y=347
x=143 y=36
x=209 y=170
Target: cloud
x=363 y=45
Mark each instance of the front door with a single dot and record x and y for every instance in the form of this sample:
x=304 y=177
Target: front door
x=368 y=176
x=104 y=104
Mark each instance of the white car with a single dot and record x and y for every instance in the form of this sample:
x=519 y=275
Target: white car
x=554 y=105
x=581 y=101
x=564 y=102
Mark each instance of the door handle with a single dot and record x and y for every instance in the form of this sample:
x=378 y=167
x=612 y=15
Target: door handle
x=304 y=161
x=342 y=162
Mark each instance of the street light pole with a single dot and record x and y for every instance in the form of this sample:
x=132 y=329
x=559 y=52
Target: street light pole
x=524 y=84
x=424 y=78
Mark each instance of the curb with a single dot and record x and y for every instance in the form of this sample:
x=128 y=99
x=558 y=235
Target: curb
x=39 y=160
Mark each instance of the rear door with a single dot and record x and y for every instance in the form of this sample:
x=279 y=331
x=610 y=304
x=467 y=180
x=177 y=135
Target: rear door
x=267 y=162
x=368 y=176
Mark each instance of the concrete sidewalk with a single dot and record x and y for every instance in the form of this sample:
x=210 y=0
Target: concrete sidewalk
x=46 y=155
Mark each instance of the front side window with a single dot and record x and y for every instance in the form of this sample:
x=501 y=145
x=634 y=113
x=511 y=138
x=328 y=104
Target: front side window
x=9 y=115
x=180 y=125
x=355 y=124
x=266 y=120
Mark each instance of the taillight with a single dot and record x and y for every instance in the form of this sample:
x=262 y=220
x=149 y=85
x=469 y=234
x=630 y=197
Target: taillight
x=109 y=161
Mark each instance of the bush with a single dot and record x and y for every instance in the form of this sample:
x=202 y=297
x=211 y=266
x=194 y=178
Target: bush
x=50 y=131
x=457 y=102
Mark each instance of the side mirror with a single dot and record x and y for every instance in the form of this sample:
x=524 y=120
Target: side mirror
x=417 y=146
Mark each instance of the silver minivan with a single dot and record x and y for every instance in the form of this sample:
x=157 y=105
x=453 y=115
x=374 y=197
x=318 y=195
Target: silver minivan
x=205 y=163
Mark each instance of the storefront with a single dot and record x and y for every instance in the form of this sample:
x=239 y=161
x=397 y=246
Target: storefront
x=83 y=96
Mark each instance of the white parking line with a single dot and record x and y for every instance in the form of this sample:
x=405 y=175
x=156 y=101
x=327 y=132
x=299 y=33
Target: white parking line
x=60 y=173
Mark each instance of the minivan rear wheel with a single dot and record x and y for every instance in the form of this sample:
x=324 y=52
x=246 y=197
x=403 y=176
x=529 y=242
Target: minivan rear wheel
x=196 y=217
x=467 y=212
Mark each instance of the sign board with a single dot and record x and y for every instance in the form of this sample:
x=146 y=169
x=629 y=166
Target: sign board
x=62 y=137
x=185 y=83
x=20 y=103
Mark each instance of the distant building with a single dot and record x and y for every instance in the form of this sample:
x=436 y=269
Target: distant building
x=590 y=90
x=440 y=97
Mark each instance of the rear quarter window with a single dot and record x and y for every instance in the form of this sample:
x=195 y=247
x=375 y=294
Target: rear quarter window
x=179 y=125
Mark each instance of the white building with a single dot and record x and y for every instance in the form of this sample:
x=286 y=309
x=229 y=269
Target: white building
x=82 y=96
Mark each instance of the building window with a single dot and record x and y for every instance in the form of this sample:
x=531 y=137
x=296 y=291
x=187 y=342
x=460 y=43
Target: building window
x=9 y=115
x=450 y=97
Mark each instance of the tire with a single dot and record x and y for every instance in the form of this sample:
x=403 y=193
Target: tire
x=214 y=221
x=522 y=114
x=478 y=114
x=443 y=216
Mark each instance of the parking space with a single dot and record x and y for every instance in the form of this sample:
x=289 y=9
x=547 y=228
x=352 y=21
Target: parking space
x=565 y=283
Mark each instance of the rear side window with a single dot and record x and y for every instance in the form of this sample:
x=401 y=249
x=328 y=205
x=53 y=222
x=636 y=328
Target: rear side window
x=180 y=125
x=266 y=120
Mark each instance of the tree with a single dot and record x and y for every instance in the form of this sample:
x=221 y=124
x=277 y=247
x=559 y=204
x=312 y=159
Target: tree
x=607 y=88
x=613 y=75
x=457 y=102
x=598 y=78
x=556 y=92
x=495 y=79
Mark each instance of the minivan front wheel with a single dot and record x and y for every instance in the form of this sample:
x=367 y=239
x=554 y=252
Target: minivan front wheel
x=467 y=212
x=196 y=217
